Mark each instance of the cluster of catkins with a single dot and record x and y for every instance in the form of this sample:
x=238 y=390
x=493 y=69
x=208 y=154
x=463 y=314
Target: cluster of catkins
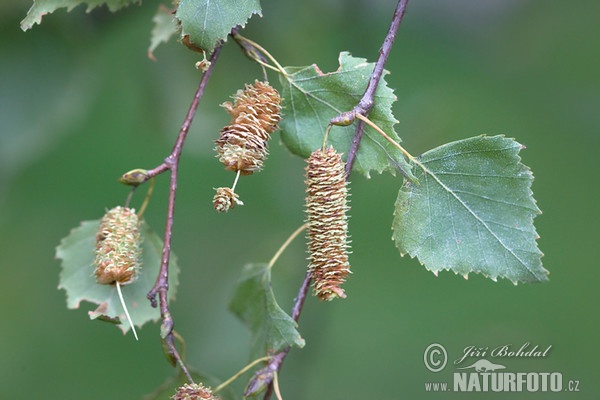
x=243 y=147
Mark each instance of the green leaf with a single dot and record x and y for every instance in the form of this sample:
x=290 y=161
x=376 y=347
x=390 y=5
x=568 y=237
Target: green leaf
x=312 y=98
x=76 y=251
x=254 y=304
x=472 y=211
x=43 y=7
x=165 y=26
x=206 y=22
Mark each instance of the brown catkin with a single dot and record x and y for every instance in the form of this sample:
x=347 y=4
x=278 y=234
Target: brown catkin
x=326 y=208
x=117 y=256
x=226 y=199
x=255 y=113
x=194 y=391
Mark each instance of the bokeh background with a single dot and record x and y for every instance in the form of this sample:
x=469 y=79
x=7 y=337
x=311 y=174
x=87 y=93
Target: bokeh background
x=80 y=103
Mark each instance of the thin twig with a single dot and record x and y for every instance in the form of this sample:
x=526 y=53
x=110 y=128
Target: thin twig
x=277 y=359
x=161 y=286
x=366 y=103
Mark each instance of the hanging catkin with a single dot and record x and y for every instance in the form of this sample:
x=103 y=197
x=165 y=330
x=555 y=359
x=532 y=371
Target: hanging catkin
x=117 y=257
x=255 y=113
x=226 y=199
x=326 y=208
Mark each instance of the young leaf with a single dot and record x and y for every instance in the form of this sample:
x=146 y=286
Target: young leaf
x=165 y=26
x=472 y=211
x=312 y=98
x=254 y=304
x=43 y=7
x=206 y=22
x=77 y=277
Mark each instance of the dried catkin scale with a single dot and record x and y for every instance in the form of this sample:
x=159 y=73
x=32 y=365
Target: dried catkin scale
x=226 y=199
x=255 y=113
x=326 y=208
x=117 y=256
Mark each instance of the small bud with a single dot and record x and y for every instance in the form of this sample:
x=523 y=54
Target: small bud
x=117 y=257
x=344 y=119
x=226 y=199
x=203 y=65
x=134 y=177
x=326 y=208
x=194 y=391
x=259 y=381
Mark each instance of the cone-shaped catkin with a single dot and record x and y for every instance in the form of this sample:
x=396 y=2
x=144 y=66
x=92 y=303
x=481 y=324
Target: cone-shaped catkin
x=226 y=199
x=255 y=113
x=326 y=208
x=117 y=256
x=194 y=391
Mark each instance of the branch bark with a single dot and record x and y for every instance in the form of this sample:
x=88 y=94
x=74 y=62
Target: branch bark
x=365 y=104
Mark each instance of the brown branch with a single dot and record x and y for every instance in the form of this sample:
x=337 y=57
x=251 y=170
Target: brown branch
x=171 y=163
x=367 y=101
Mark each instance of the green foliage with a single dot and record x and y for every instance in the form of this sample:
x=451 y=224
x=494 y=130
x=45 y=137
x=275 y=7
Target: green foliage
x=77 y=277
x=208 y=22
x=312 y=98
x=254 y=303
x=43 y=7
x=472 y=211
x=165 y=26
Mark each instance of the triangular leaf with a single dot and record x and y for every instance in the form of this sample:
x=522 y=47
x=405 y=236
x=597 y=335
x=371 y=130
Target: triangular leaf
x=77 y=277
x=254 y=303
x=312 y=98
x=165 y=26
x=472 y=211
x=206 y=22
x=43 y=7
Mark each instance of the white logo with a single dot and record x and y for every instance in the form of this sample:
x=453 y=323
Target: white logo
x=484 y=365
x=484 y=375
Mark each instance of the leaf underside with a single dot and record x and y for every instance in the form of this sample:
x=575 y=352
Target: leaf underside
x=472 y=211
x=164 y=28
x=76 y=251
x=207 y=22
x=43 y=7
x=254 y=304
x=312 y=98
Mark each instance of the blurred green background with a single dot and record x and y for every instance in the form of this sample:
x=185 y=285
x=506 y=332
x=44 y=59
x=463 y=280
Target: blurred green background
x=80 y=103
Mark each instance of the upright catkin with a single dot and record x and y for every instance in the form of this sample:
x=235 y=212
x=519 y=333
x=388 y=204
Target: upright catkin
x=326 y=209
x=243 y=144
x=117 y=256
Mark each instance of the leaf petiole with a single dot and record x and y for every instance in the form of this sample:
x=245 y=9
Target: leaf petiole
x=386 y=136
x=247 y=43
x=286 y=244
